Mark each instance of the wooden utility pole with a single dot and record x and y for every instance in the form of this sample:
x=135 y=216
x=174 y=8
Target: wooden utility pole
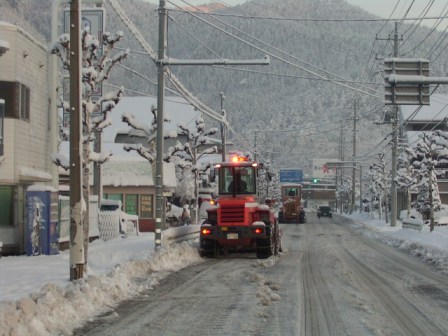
x=352 y=207
x=162 y=63
x=393 y=188
x=223 y=129
x=339 y=171
x=77 y=203
x=160 y=204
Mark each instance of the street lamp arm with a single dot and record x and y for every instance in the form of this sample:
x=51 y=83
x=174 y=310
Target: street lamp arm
x=222 y=61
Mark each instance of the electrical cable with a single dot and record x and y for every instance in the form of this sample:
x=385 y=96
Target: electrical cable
x=194 y=37
x=293 y=76
x=180 y=9
x=436 y=24
x=271 y=54
x=416 y=24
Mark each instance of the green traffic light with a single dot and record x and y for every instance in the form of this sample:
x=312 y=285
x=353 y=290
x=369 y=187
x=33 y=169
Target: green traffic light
x=315 y=180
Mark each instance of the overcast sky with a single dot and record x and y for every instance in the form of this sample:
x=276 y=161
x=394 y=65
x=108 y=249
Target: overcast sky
x=382 y=8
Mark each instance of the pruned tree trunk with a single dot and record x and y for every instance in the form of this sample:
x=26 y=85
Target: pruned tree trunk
x=76 y=241
x=409 y=196
x=86 y=195
x=431 y=201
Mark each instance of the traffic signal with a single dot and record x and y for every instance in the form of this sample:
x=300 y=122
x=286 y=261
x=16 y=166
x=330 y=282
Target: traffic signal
x=315 y=180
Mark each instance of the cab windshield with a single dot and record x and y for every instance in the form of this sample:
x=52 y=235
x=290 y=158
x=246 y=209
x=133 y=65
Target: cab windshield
x=237 y=180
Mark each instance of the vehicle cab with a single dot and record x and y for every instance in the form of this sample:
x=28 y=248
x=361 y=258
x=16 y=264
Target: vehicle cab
x=237 y=177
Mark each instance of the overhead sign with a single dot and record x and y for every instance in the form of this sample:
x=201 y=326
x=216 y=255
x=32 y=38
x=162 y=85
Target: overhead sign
x=341 y=164
x=406 y=92
x=92 y=19
x=292 y=175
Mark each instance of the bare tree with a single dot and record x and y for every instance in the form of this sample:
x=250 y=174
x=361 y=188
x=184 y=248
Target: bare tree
x=189 y=153
x=95 y=110
x=380 y=183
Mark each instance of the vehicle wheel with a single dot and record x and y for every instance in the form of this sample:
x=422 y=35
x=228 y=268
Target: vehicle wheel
x=264 y=248
x=208 y=248
x=280 y=217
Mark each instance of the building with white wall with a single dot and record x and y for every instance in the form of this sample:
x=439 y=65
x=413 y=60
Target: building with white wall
x=26 y=129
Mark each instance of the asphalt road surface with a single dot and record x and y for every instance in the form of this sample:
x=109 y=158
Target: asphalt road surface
x=330 y=280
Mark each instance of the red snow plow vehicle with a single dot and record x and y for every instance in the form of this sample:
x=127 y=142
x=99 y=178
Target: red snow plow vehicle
x=238 y=222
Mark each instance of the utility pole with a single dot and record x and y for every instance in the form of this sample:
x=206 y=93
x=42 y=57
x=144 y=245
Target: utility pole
x=393 y=216
x=341 y=158
x=162 y=63
x=393 y=189
x=160 y=206
x=255 y=148
x=223 y=128
x=352 y=208
x=76 y=201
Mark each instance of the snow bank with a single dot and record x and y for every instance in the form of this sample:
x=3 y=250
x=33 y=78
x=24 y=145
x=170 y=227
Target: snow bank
x=57 y=311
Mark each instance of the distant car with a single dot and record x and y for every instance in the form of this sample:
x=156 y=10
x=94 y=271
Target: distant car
x=324 y=210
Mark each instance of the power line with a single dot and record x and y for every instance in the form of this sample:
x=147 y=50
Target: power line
x=271 y=54
x=179 y=9
x=436 y=24
x=194 y=37
x=295 y=76
x=414 y=26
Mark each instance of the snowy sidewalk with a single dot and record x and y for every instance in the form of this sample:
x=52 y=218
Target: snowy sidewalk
x=37 y=298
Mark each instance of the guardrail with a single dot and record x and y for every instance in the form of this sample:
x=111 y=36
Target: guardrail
x=414 y=223
x=180 y=234
x=441 y=221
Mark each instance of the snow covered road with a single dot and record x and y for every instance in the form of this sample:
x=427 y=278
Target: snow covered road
x=331 y=280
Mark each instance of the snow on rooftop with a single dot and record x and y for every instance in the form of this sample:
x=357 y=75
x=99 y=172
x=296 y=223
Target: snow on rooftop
x=178 y=110
x=124 y=173
x=135 y=173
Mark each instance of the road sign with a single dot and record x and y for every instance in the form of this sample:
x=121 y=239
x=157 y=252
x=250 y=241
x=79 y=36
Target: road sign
x=292 y=175
x=341 y=164
x=406 y=93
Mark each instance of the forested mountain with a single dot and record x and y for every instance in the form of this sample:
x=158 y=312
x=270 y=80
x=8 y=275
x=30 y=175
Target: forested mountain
x=290 y=115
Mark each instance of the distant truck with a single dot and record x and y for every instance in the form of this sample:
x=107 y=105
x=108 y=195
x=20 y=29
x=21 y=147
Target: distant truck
x=291 y=210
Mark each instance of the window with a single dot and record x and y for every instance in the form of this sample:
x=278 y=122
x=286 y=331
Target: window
x=240 y=177
x=146 y=206
x=2 y=114
x=24 y=102
x=131 y=204
x=17 y=100
x=6 y=206
x=115 y=197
